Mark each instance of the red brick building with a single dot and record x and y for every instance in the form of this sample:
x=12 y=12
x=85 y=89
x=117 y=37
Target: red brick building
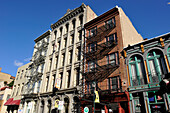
x=104 y=67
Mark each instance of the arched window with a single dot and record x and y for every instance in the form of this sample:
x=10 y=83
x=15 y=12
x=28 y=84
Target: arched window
x=137 y=71
x=66 y=104
x=156 y=65
x=168 y=54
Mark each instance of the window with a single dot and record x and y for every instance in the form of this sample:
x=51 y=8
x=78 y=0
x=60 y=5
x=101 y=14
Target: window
x=61 y=76
x=137 y=71
x=80 y=35
x=110 y=40
x=55 y=34
x=21 y=74
x=38 y=86
x=1 y=97
x=168 y=54
x=74 y=24
x=156 y=65
x=47 y=80
x=68 y=78
x=22 y=89
x=79 y=53
x=63 y=58
x=77 y=76
x=50 y=65
x=113 y=83
x=70 y=58
x=91 y=66
x=110 y=23
x=113 y=58
x=61 y=31
x=67 y=26
x=65 y=42
x=8 y=96
x=72 y=39
x=92 y=47
x=58 y=46
x=81 y=19
x=93 y=32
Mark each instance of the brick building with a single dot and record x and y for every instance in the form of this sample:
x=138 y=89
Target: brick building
x=104 y=68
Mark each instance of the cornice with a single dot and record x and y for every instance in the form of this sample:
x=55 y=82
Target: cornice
x=42 y=36
x=70 y=14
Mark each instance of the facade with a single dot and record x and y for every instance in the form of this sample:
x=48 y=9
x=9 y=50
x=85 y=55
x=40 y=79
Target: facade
x=104 y=67
x=18 y=89
x=5 y=90
x=64 y=61
x=147 y=64
x=34 y=83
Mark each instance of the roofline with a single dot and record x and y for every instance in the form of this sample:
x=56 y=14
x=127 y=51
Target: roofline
x=153 y=38
x=101 y=16
x=42 y=36
x=53 y=26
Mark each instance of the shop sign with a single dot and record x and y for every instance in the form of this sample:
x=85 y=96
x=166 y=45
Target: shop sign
x=56 y=103
x=86 y=110
x=60 y=105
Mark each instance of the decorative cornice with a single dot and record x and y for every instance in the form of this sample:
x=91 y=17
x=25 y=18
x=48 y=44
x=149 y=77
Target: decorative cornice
x=42 y=36
x=70 y=14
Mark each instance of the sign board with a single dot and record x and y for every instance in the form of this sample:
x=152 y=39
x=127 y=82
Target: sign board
x=29 y=105
x=58 y=83
x=56 y=103
x=60 y=105
x=20 y=111
x=86 y=110
x=97 y=97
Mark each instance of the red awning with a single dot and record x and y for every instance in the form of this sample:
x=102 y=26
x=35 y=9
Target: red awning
x=15 y=102
x=8 y=101
x=12 y=102
x=3 y=88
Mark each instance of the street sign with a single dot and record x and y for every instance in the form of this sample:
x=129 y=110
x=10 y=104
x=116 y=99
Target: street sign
x=97 y=97
x=56 y=103
x=61 y=105
x=86 y=110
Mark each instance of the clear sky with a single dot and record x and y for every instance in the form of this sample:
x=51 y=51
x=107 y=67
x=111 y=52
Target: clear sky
x=22 y=21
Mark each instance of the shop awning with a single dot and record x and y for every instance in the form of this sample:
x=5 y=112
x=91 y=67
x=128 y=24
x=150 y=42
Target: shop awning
x=15 y=102
x=12 y=102
x=8 y=101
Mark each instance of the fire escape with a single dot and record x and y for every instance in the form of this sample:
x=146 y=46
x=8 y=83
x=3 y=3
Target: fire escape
x=98 y=65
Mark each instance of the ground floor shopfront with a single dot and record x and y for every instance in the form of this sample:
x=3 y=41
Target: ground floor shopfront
x=109 y=103
x=149 y=101
x=46 y=102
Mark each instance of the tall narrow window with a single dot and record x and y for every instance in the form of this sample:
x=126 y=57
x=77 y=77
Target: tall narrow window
x=113 y=83
x=38 y=86
x=61 y=78
x=70 y=58
x=61 y=31
x=50 y=65
x=74 y=24
x=68 y=79
x=110 y=23
x=156 y=65
x=55 y=34
x=93 y=32
x=92 y=47
x=63 y=59
x=81 y=19
x=47 y=82
x=91 y=66
x=67 y=26
x=110 y=40
x=77 y=76
x=80 y=35
x=79 y=53
x=137 y=71
x=113 y=58
x=72 y=39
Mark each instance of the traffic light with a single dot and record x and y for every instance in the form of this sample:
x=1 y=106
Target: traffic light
x=165 y=86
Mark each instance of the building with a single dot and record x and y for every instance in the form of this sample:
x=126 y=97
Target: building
x=34 y=84
x=5 y=89
x=104 y=67
x=147 y=64
x=18 y=89
x=64 y=61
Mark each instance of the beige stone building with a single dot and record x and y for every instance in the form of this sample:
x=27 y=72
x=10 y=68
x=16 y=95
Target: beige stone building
x=64 y=61
x=18 y=89
x=32 y=91
x=5 y=91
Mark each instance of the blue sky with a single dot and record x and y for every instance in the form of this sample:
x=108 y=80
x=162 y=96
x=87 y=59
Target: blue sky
x=22 y=21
